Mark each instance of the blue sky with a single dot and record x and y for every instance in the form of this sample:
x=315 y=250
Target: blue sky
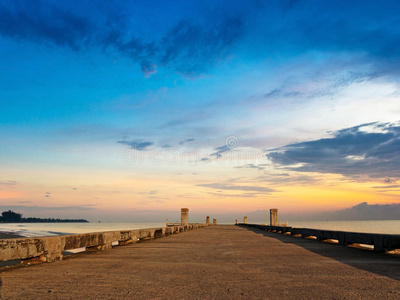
x=308 y=89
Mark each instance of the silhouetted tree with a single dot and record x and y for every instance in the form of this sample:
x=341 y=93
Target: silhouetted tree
x=13 y=217
x=10 y=216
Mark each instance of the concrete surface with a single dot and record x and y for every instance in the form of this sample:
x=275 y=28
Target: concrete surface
x=219 y=262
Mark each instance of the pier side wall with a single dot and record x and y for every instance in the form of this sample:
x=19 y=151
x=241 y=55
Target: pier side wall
x=50 y=249
x=381 y=242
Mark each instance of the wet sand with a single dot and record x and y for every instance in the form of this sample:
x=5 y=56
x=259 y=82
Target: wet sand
x=8 y=235
x=220 y=262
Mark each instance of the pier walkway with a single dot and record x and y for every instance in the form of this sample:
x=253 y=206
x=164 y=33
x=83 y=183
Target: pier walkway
x=218 y=262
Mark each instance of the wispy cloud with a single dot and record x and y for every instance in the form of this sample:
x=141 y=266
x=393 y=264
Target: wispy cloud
x=260 y=167
x=136 y=144
x=8 y=183
x=244 y=195
x=246 y=188
x=186 y=141
x=220 y=150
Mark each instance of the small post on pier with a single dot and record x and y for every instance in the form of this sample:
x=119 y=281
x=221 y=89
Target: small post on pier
x=273 y=216
x=208 y=220
x=184 y=216
x=245 y=220
x=166 y=223
x=236 y=222
x=215 y=221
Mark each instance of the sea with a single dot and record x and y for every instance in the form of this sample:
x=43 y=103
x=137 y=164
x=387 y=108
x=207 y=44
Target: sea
x=51 y=229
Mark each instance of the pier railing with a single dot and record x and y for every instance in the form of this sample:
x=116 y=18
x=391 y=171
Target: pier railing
x=49 y=249
x=381 y=242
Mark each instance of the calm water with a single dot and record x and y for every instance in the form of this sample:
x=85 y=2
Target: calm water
x=389 y=227
x=48 y=229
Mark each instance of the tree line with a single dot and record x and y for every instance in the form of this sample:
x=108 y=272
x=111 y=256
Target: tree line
x=13 y=217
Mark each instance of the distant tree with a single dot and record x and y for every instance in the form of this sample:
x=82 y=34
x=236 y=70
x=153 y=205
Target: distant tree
x=13 y=217
x=10 y=216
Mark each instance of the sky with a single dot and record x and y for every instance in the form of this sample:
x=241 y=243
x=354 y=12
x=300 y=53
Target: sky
x=127 y=110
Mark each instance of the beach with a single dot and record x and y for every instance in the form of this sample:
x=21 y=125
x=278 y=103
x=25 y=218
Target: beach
x=9 y=235
x=218 y=262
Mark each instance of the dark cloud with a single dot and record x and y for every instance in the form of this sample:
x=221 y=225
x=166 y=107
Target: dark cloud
x=42 y=22
x=247 y=188
x=351 y=152
x=190 y=47
x=389 y=180
x=136 y=144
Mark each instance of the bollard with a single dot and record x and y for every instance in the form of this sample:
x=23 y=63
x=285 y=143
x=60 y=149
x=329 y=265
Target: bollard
x=166 y=224
x=245 y=220
x=273 y=216
x=208 y=220
x=236 y=222
x=184 y=216
x=215 y=221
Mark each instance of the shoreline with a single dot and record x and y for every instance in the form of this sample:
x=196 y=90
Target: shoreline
x=9 y=235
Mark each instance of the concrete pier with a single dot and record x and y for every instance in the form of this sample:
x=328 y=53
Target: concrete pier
x=215 y=262
x=184 y=216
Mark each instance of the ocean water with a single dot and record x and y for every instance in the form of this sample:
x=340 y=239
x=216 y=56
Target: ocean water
x=51 y=229
x=375 y=226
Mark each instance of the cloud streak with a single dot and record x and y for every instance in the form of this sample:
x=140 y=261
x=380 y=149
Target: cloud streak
x=246 y=188
x=8 y=183
x=136 y=144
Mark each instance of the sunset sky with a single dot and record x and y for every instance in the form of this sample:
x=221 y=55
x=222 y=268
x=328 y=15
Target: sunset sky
x=119 y=109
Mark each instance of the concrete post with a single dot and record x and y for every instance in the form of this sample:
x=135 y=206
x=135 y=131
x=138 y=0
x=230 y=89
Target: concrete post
x=166 y=223
x=236 y=222
x=273 y=216
x=215 y=221
x=208 y=220
x=184 y=216
x=245 y=220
